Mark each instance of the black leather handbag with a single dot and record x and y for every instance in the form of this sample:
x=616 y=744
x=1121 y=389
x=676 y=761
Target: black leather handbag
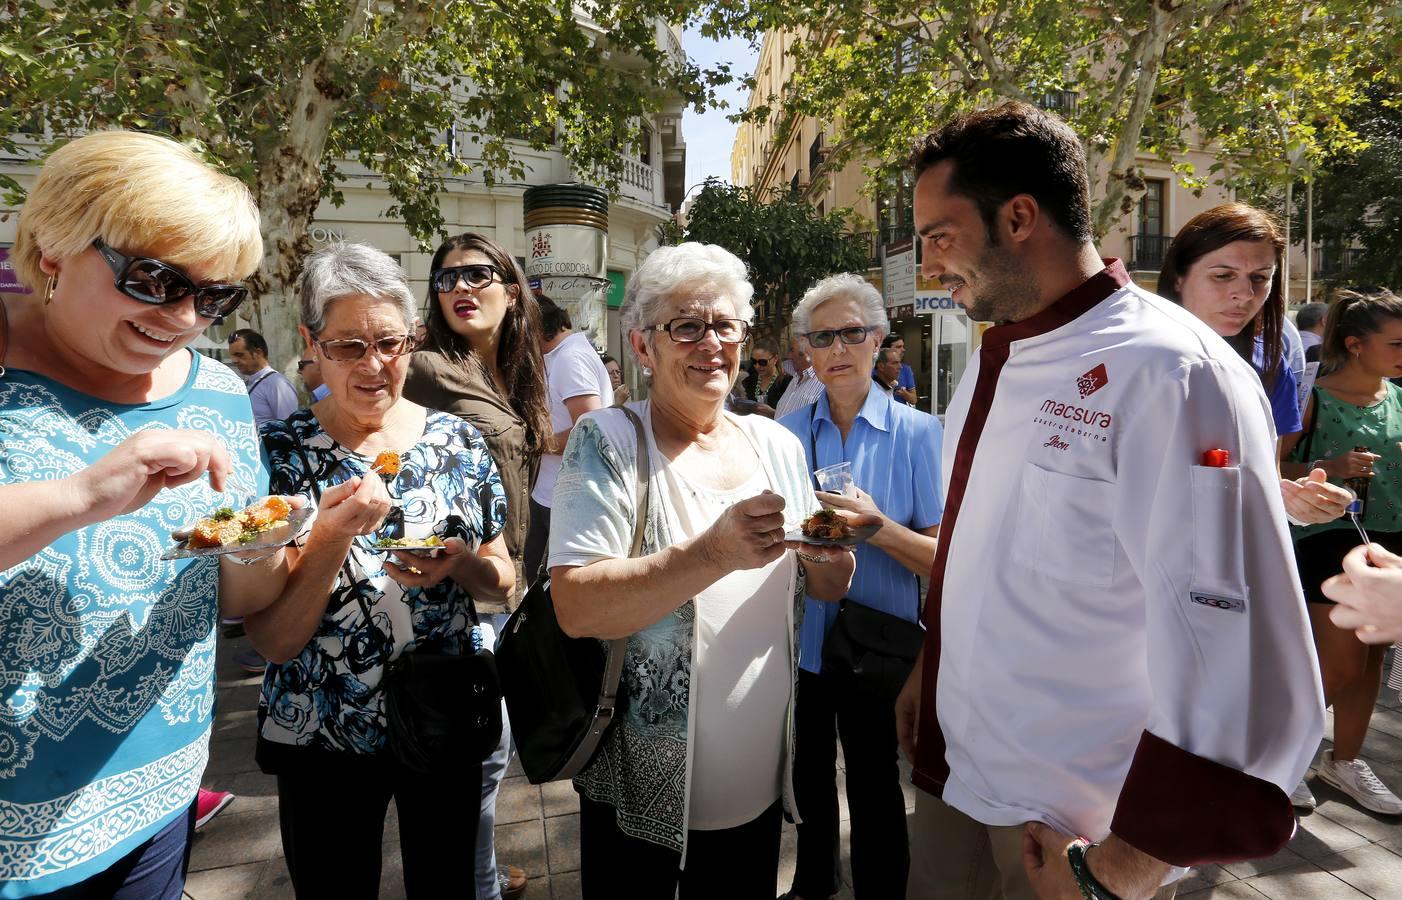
x=875 y=648
x=442 y=708
x=439 y=707
x=562 y=693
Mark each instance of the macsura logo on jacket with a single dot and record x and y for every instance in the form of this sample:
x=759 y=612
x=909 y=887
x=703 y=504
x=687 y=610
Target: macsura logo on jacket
x=1093 y=417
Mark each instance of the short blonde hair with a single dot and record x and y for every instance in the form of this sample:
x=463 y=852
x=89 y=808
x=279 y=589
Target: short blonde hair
x=140 y=193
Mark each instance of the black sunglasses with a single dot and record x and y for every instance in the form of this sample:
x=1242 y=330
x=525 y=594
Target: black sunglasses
x=354 y=349
x=690 y=330
x=854 y=335
x=476 y=276
x=759 y=361
x=303 y=363
x=152 y=281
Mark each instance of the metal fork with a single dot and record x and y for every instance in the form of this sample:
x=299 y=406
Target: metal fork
x=1359 y=525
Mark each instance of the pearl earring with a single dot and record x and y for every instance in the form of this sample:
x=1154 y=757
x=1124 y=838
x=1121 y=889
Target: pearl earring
x=647 y=373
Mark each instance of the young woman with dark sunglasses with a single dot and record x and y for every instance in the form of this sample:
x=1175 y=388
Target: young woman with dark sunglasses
x=115 y=432
x=482 y=361
x=766 y=382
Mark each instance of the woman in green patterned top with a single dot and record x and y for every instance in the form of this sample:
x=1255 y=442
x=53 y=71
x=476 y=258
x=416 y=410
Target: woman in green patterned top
x=1354 y=406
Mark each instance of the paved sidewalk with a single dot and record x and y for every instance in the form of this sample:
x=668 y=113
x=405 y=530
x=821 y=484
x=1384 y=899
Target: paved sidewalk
x=1339 y=851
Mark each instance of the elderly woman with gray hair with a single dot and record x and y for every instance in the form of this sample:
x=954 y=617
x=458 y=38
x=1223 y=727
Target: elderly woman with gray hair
x=688 y=788
x=344 y=610
x=893 y=451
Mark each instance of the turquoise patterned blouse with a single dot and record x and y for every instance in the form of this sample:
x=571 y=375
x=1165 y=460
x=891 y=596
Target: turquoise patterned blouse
x=106 y=651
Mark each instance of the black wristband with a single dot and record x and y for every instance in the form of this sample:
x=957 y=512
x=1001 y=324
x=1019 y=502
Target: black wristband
x=1091 y=889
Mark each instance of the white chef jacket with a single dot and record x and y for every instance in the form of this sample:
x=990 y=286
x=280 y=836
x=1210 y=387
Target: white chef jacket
x=1118 y=636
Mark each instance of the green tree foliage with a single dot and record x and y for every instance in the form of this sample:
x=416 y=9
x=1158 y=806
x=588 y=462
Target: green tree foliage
x=1358 y=199
x=784 y=241
x=294 y=97
x=1267 y=81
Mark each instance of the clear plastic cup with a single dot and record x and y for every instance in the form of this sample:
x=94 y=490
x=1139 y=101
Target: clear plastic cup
x=836 y=479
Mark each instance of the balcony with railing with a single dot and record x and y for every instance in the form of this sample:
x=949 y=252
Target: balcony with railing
x=890 y=233
x=1061 y=102
x=873 y=241
x=637 y=180
x=817 y=155
x=1330 y=261
x=1146 y=251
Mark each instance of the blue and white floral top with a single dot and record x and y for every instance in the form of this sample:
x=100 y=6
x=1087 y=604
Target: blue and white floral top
x=329 y=698
x=106 y=650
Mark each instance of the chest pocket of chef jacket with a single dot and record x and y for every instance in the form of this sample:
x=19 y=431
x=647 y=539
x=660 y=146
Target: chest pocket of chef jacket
x=1219 y=551
x=1063 y=527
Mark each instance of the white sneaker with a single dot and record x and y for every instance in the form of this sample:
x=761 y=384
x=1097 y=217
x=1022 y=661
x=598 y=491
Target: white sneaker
x=1302 y=797
x=1355 y=778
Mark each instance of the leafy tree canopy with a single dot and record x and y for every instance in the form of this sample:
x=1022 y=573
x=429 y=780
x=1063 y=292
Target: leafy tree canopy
x=1269 y=82
x=785 y=242
x=1358 y=199
x=292 y=97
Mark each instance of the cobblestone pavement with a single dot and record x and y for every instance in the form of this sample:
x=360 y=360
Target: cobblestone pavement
x=1339 y=851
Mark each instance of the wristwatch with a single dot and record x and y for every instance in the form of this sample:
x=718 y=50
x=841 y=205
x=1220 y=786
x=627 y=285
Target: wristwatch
x=1091 y=889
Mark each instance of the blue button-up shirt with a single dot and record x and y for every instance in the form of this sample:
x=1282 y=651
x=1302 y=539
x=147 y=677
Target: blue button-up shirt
x=894 y=450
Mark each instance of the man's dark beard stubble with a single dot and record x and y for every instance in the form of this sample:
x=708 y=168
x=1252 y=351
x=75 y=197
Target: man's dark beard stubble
x=1007 y=289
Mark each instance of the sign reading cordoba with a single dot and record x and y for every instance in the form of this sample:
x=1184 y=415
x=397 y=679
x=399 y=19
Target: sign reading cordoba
x=578 y=251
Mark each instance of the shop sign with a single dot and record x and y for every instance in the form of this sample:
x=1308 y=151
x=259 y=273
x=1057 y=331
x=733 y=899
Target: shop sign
x=898 y=273
x=9 y=280
x=567 y=251
x=930 y=304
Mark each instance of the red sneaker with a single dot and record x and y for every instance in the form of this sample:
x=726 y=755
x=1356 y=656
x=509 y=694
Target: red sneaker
x=209 y=804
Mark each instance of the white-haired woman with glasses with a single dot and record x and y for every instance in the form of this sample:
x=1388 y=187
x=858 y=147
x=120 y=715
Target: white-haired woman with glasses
x=894 y=453
x=113 y=432
x=344 y=610
x=687 y=790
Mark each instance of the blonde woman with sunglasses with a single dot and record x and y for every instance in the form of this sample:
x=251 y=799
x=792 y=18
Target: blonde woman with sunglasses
x=113 y=432
x=373 y=466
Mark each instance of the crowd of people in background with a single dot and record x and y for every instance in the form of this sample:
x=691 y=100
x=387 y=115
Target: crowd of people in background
x=1160 y=530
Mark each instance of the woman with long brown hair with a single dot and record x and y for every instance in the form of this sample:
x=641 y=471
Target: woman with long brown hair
x=1224 y=267
x=482 y=361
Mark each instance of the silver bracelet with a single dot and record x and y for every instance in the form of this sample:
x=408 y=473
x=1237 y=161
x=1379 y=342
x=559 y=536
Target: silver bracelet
x=254 y=560
x=808 y=557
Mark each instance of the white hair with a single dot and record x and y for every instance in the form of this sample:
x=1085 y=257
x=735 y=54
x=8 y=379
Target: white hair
x=349 y=270
x=848 y=286
x=686 y=266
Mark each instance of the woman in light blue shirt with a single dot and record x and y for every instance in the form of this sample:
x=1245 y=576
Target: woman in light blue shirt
x=894 y=451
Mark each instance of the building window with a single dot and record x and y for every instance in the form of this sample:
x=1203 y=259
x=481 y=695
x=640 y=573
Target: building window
x=1063 y=102
x=793 y=183
x=1150 y=243
x=815 y=155
x=1151 y=207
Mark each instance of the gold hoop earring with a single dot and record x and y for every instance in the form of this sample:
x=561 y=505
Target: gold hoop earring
x=49 y=290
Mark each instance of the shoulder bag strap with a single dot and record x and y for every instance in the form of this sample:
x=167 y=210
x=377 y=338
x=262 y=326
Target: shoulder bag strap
x=4 y=336
x=259 y=381
x=642 y=468
x=1307 y=441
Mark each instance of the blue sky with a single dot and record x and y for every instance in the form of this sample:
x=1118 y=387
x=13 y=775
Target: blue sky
x=709 y=136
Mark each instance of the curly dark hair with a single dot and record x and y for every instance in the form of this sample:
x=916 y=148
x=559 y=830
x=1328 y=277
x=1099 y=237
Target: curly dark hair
x=518 y=354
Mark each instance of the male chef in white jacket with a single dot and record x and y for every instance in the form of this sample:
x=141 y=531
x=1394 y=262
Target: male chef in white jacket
x=1117 y=644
